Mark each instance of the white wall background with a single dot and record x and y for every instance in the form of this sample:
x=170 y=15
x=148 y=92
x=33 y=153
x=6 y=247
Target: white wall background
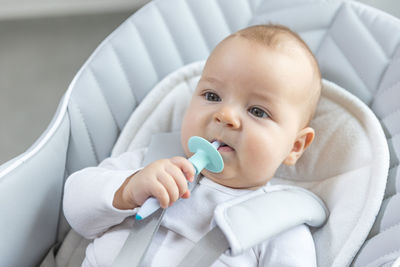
x=43 y=43
x=22 y=9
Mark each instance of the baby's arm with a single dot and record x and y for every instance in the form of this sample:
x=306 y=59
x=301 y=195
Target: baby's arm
x=164 y=179
x=89 y=194
x=98 y=198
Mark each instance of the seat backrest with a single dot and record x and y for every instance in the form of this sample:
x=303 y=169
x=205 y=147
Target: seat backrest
x=356 y=48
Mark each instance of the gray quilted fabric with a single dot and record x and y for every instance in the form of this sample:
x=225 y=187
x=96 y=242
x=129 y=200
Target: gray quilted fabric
x=357 y=47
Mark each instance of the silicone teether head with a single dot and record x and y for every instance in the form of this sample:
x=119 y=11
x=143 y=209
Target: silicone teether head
x=206 y=155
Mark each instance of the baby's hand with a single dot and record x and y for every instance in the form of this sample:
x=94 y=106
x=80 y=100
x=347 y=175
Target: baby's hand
x=164 y=179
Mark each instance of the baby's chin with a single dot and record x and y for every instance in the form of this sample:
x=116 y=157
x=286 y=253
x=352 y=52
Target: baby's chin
x=216 y=177
x=226 y=180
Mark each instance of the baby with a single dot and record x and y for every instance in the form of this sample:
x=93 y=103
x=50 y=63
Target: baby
x=257 y=94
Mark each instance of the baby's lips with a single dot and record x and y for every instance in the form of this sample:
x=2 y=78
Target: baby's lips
x=220 y=143
x=226 y=149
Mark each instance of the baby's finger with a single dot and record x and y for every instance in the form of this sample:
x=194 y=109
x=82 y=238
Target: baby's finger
x=179 y=178
x=161 y=194
x=186 y=194
x=170 y=185
x=186 y=166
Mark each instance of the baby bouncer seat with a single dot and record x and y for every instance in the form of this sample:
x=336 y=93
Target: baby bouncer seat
x=357 y=48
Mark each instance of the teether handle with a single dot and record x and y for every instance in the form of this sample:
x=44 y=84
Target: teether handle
x=199 y=161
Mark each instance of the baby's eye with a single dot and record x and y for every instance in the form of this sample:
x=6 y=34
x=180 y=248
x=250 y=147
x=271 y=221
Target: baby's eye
x=258 y=112
x=212 y=97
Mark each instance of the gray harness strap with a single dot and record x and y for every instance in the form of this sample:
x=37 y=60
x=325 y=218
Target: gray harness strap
x=207 y=250
x=162 y=145
x=138 y=241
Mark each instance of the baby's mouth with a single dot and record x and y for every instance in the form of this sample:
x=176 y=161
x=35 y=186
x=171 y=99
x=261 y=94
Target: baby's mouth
x=223 y=147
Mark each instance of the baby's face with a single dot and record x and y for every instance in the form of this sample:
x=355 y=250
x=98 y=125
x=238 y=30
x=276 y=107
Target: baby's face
x=250 y=98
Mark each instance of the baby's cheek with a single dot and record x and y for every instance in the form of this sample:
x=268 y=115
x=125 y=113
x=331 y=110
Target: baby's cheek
x=255 y=160
x=192 y=119
x=263 y=159
x=187 y=125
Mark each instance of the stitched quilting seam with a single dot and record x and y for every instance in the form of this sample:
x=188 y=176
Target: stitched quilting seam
x=194 y=14
x=390 y=116
x=368 y=30
x=123 y=68
x=91 y=143
x=104 y=98
x=197 y=25
x=334 y=17
x=169 y=33
x=142 y=12
x=228 y=26
x=393 y=110
x=350 y=63
x=147 y=51
x=393 y=135
x=284 y=7
x=387 y=90
x=389 y=66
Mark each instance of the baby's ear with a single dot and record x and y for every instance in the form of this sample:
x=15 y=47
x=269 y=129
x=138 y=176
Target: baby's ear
x=303 y=140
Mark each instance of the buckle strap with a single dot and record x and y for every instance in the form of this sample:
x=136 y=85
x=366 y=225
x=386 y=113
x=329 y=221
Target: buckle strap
x=138 y=241
x=207 y=250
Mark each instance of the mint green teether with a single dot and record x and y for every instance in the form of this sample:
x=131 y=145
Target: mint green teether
x=206 y=155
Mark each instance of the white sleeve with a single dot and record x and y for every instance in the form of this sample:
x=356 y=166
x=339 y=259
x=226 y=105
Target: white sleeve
x=292 y=248
x=89 y=194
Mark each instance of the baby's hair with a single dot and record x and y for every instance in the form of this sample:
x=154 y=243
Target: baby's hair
x=281 y=37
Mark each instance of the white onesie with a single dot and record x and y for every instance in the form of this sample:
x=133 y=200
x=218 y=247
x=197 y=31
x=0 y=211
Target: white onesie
x=88 y=208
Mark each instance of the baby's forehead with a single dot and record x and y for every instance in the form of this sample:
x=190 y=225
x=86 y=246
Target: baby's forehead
x=292 y=46
x=275 y=37
x=279 y=38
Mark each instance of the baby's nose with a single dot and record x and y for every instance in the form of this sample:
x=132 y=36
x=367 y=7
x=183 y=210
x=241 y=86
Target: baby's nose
x=228 y=117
